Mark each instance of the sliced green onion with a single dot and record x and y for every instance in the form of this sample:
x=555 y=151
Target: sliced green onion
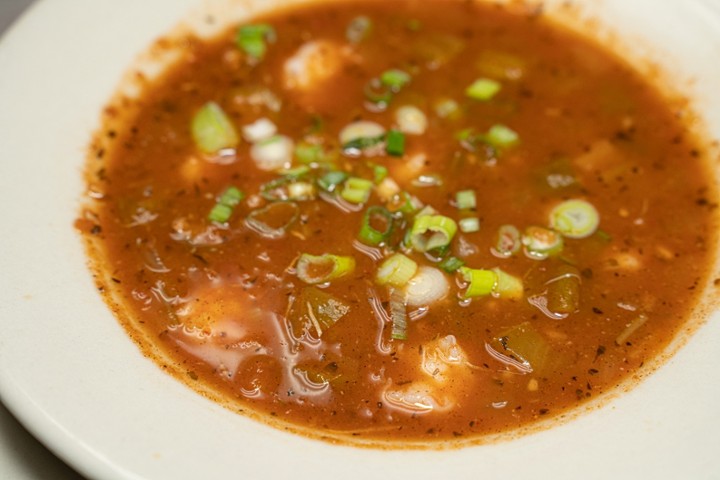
x=358 y=29
x=575 y=219
x=301 y=191
x=507 y=286
x=369 y=234
x=259 y=130
x=308 y=153
x=508 y=242
x=356 y=190
x=380 y=173
x=331 y=180
x=432 y=231
x=314 y=269
x=466 y=200
x=395 y=79
x=387 y=189
x=225 y=205
x=220 y=213
x=361 y=129
x=483 y=89
x=276 y=189
x=411 y=120
x=403 y=202
x=398 y=315
x=395 y=143
x=378 y=93
x=447 y=108
x=296 y=173
x=212 y=129
x=231 y=197
x=480 y=282
x=273 y=153
x=469 y=225
x=252 y=39
x=541 y=243
x=355 y=147
x=451 y=264
x=501 y=137
x=396 y=271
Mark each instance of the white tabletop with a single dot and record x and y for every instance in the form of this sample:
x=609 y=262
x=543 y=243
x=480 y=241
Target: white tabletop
x=22 y=457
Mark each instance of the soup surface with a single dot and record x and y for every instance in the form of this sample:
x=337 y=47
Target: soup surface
x=400 y=221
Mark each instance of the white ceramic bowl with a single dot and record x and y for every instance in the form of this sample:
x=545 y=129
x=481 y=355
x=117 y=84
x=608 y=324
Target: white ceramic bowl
x=74 y=379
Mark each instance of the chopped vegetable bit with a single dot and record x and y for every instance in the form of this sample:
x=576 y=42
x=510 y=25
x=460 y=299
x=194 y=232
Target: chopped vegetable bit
x=314 y=269
x=563 y=290
x=451 y=264
x=481 y=282
x=314 y=311
x=226 y=203
x=395 y=79
x=212 y=129
x=428 y=286
x=273 y=153
x=501 y=137
x=395 y=143
x=495 y=282
x=508 y=242
x=466 y=200
x=220 y=213
x=447 y=108
x=469 y=225
x=308 y=153
x=411 y=120
x=356 y=190
x=377 y=224
x=432 y=231
x=378 y=93
x=253 y=39
x=483 y=89
x=398 y=315
x=301 y=191
x=259 y=130
x=404 y=203
x=360 y=135
x=575 y=219
x=507 y=286
x=380 y=173
x=396 y=271
x=541 y=243
x=527 y=346
x=331 y=180
x=231 y=197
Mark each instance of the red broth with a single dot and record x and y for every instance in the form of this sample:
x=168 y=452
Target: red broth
x=522 y=225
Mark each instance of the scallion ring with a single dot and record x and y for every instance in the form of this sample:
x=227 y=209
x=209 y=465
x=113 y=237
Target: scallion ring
x=376 y=216
x=432 y=231
x=575 y=219
x=315 y=269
